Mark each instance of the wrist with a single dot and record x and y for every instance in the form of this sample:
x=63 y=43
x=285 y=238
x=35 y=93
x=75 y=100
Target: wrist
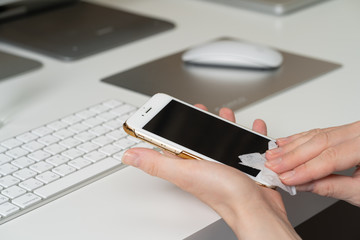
x=262 y=219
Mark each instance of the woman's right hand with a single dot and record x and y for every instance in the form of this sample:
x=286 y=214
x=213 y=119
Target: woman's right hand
x=252 y=211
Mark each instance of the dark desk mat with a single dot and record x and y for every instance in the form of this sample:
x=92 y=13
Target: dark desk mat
x=74 y=31
x=339 y=221
x=11 y=65
x=217 y=87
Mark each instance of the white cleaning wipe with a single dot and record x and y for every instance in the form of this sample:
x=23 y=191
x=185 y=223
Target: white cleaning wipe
x=257 y=160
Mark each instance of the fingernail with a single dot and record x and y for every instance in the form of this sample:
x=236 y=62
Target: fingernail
x=287 y=175
x=282 y=140
x=131 y=158
x=273 y=162
x=274 y=151
x=305 y=187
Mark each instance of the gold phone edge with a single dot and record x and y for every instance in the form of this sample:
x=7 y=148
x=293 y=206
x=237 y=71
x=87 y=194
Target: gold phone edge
x=182 y=154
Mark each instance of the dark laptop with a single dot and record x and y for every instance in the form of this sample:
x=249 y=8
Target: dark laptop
x=71 y=29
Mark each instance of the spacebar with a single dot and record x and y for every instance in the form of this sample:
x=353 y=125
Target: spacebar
x=77 y=177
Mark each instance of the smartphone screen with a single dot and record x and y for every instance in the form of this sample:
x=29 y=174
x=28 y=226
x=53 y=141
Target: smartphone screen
x=207 y=135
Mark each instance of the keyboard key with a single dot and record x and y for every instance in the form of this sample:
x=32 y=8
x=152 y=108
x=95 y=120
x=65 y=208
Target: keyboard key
x=72 y=119
x=54 y=149
x=117 y=134
x=79 y=163
x=22 y=162
x=114 y=124
x=73 y=153
x=3 y=199
x=7 y=209
x=17 y=152
x=78 y=128
x=124 y=143
x=24 y=174
x=26 y=200
x=99 y=130
x=88 y=147
x=31 y=184
x=63 y=134
x=42 y=131
x=110 y=149
x=13 y=192
x=41 y=167
x=33 y=146
x=85 y=114
x=8 y=181
x=106 y=116
x=48 y=140
x=85 y=136
x=11 y=143
x=95 y=156
x=103 y=140
x=27 y=137
x=47 y=177
x=4 y=158
x=57 y=160
x=77 y=177
x=57 y=125
x=7 y=168
x=2 y=149
x=39 y=155
x=92 y=122
x=64 y=170
x=70 y=142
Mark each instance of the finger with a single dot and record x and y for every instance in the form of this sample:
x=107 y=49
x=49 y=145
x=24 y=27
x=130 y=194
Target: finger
x=199 y=177
x=339 y=134
x=335 y=186
x=288 y=144
x=289 y=139
x=338 y=158
x=149 y=161
x=227 y=113
x=285 y=158
x=296 y=153
x=201 y=106
x=259 y=126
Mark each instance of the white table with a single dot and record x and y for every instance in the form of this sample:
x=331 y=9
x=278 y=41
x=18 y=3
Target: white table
x=130 y=204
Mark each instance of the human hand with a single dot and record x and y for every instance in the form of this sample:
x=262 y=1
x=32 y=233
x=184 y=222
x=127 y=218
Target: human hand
x=310 y=159
x=234 y=196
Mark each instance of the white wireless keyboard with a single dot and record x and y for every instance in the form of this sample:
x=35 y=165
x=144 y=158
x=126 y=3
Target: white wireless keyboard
x=48 y=162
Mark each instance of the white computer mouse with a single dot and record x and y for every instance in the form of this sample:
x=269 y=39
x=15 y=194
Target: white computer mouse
x=229 y=53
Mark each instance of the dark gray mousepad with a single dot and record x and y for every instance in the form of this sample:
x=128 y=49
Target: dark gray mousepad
x=219 y=87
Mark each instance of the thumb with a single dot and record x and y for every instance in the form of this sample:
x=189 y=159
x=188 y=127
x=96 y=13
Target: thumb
x=151 y=162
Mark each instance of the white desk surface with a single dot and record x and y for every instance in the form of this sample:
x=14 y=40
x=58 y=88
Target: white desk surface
x=130 y=204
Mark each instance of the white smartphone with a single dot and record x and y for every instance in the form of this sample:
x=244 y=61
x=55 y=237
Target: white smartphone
x=190 y=132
